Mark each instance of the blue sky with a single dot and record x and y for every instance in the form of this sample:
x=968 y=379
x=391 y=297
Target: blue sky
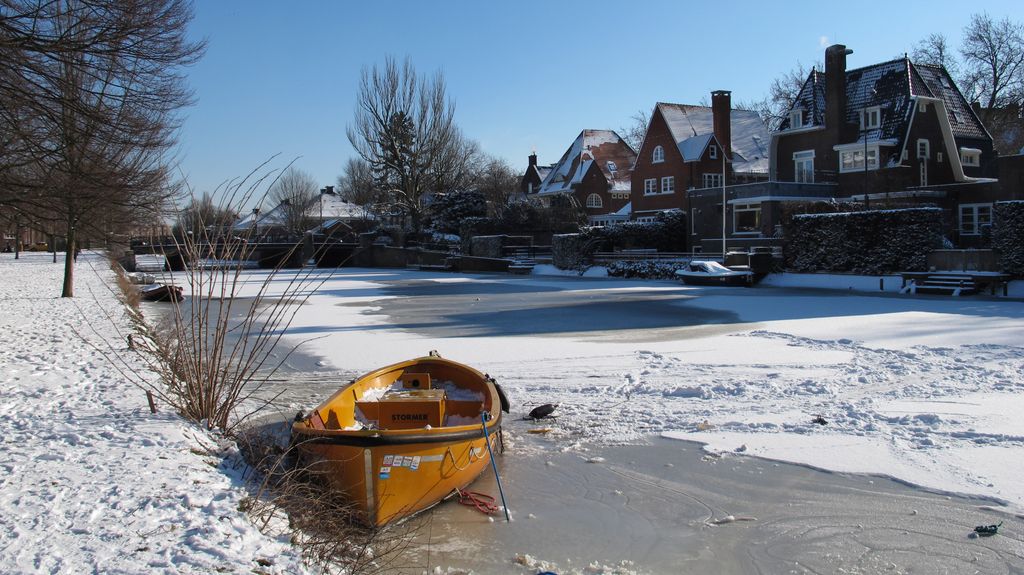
x=281 y=77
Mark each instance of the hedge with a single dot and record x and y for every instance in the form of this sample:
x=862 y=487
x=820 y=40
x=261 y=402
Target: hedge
x=1008 y=235
x=869 y=242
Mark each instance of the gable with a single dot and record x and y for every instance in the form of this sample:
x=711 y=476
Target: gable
x=750 y=138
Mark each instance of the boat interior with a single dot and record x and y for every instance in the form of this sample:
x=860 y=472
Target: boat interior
x=413 y=395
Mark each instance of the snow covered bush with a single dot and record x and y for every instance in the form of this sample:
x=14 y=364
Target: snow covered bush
x=569 y=251
x=659 y=270
x=666 y=234
x=1008 y=236
x=871 y=242
x=448 y=210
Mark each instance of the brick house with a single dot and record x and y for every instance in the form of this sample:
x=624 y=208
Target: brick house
x=595 y=170
x=688 y=148
x=534 y=176
x=888 y=134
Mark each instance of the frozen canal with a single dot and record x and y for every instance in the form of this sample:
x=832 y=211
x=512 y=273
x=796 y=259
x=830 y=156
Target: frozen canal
x=924 y=389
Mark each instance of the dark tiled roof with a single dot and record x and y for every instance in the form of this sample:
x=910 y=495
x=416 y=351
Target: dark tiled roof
x=890 y=86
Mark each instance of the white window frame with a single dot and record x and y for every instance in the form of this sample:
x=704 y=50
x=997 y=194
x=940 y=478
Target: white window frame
x=938 y=157
x=651 y=186
x=871 y=118
x=713 y=152
x=976 y=223
x=805 y=158
x=658 y=156
x=668 y=185
x=923 y=149
x=712 y=180
x=922 y=107
x=594 y=201
x=796 y=118
x=970 y=159
x=612 y=168
x=742 y=209
x=856 y=162
x=645 y=219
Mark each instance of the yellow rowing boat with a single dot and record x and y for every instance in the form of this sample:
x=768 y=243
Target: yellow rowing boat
x=403 y=437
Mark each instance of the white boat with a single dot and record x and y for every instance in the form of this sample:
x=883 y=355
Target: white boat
x=705 y=273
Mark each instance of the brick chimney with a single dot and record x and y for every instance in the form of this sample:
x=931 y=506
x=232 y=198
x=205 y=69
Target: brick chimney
x=533 y=159
x=835 y=89
x=721 y=110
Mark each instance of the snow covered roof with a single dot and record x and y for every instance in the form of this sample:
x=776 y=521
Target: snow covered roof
x=750 y=138
x=893 y=87
x=335 y=208
x=601 y=148
x=693 y=148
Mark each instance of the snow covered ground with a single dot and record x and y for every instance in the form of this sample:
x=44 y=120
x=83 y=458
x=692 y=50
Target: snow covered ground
x=927 y=389
x=90 y=481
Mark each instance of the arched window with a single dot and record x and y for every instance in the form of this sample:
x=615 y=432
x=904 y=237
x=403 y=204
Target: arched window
x=659 y=154
x=594 y=201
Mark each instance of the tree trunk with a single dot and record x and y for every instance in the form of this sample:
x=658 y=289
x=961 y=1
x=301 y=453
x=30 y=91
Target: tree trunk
x=69 y=264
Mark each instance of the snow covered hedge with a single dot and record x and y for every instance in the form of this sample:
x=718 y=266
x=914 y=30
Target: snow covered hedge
x=871 y=242
x=645 y=270
x=569 y=251
x=1008 y=236
x=666 y=234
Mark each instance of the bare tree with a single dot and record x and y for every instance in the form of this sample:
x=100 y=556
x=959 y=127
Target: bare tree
x=403 y=126
x=97 y=86
x=634 y=133
x=356 y=184
x=782 y=92
x=499 y=184
x=295 y=191
x=457 y=165
x=935 y=50
x=993 y=53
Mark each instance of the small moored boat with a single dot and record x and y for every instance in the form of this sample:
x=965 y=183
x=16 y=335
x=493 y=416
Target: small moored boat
x=403 y=437
x=705 y=273
x=161 y=292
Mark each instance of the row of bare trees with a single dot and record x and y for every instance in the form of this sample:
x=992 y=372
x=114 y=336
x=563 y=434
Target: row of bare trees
x=89 y=97
x=410 y=149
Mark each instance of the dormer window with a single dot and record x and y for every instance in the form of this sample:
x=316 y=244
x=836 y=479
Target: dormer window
x=796 y=119
x=659 y=155
x=871 y=118
x=612 y=168
x=970 y=157
x=713 y=152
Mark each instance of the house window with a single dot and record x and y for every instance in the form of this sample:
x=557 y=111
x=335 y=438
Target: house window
x=803 y=165
x=853 y=160
x=668 y=184
x=746 y=218
x=871 y=118
x=529 y=188
x=922 y=107
x=713 y=152
x=938 y=157
x=974 y=217
x=659 y=155
x=594 y=201
x=796 y=119
x=650 y=186
x=712 y=180
x=923 y=149
x=970 y=157
x=612 y=168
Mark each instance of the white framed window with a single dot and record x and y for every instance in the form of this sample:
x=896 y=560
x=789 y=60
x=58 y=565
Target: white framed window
x=668 y=184
x=923 y=149
x=970 y=158
x=973 y=217
x=871 y=118
x=612 y=168
x=712 y=180
x=645 y=219
x=746 y=218
x=529 y=188
x=594 y=201
x=803 y=166
x=922 y=107
x=853 y=160
x=659 y=155
x=650 y=186
x=713 y=152
x=796 y=118
x=938 y=157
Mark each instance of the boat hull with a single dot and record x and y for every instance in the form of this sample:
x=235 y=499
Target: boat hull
x=715 y=280
x=388 y=474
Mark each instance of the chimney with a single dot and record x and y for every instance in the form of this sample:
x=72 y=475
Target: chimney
x=533 y=159
x=835 y=88
x=721 y=110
